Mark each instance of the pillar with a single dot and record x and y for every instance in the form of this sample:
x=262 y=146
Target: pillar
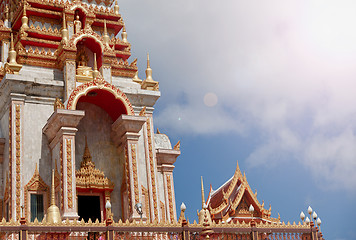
x=60 y=131
x=165 y=159
x=125 y=134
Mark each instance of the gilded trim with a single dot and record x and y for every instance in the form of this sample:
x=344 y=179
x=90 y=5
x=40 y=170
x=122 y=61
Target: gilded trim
x=69 y=172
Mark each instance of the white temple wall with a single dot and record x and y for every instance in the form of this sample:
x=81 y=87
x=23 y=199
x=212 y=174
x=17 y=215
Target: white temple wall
x=161 y=188
x=96 y=126
x=36 y=148
x=4 y=124
x=142 y=160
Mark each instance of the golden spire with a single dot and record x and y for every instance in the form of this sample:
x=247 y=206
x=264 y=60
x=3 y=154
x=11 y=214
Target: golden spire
x=202 y=192
x=6 y=13
x=64 y=29
x=106 y=36
x=124 y=35
x=86 y=156
x=136 y=78
x=116 y=8
x=24 y=18
x=12 y=64
x=53 y=214
x=148 y=70
x=95 y=72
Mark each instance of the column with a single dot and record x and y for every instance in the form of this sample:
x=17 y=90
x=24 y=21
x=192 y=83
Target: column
x=125 y=134
x=60 y=131
x=165 y=159
x=69 y=77
x=151 y=165
x=16 y=155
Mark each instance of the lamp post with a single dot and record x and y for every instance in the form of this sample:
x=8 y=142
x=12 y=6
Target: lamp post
x=313 y=215
x=109 y=220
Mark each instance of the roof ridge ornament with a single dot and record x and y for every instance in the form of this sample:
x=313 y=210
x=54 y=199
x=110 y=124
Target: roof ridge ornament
x=124 y=35
x=116 y=8
x=106 y=38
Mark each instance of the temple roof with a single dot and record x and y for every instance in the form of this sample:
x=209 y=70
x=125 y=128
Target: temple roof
x=232 y=200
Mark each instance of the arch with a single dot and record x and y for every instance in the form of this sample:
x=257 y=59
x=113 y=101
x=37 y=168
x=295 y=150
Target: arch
x=117 y=100
x=86 y=33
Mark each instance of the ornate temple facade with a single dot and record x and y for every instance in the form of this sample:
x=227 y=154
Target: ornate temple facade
x=79 y=158
x=71 y=101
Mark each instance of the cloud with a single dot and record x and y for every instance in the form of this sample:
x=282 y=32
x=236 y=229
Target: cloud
x=285 y=69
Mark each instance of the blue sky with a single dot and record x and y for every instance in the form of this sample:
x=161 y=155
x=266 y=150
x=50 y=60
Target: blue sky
x=269 y=84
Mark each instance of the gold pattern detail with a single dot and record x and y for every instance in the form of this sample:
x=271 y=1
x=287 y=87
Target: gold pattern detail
x=163 y=211
x=146 y=202
x=90 y=177
x=134 y=171
x=18 y=159
x=58 y=104
x=35 y=184
x=62 y=176
x=177 y=146
x=127 y=180
x=170 y=198
x=69 y=172
x=152 y=167
x=10 y=163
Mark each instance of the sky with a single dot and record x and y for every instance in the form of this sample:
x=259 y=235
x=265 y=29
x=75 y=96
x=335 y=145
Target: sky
x=270 y=84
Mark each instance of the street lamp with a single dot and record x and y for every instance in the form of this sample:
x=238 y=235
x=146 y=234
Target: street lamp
x=108 y=209
x=138 y=208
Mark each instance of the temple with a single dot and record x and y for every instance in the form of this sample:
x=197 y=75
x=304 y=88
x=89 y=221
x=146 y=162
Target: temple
x=79 y=158
x=72 y=101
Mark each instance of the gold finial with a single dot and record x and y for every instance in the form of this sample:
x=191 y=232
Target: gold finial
x=158 y=132
x=106 y=36
x=58 y=104
x=12 y=65
x=124 y=35
x=177 y=146
x=64 y=30
x=116 y=8
x=136 y=78
x=148 y=70
x=95 y=72
x=53 y=214
x=24 y=18
x=202 y=192
x=6 y=13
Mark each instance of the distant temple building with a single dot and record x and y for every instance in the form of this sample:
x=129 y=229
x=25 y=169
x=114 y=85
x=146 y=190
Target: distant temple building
x=78 y=153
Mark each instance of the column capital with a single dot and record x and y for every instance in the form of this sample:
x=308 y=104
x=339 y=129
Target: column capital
x=63 y=120
x=167 y=156
x=128 y=127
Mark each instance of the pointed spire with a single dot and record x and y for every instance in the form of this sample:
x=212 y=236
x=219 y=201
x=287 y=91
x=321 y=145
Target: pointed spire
x=202 y=192
x=53 y=214
x=106 y=38
x=64 y=30
x=95 y=72
x=87 y=160
x=124 y=35
x=12 y=52
x=116 y=8
x=24 y=18
x=136 y=78
x=52 y=191
x=148 y=70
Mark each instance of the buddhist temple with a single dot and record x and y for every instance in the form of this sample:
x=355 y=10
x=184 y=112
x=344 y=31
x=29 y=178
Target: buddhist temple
x=79 y=158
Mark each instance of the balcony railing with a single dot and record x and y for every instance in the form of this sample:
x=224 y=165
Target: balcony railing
x=80 y=230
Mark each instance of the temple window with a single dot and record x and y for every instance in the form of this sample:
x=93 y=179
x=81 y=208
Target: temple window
x=37 y=207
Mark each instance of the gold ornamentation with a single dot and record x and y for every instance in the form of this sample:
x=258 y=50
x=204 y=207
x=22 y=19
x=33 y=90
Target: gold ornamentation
x=127 y=173
x=152 y=166
x=170 y=198
x=83 y=89
x=58 y=104
x=163 y=211
x=90 y=177
x=69 y=172
x=10 y=162
x=177 y=146
x=36 y=184
x=62 y=176
x=134 y=172
x=18 y=158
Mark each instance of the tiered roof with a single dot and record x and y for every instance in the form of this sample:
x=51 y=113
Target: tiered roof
x=231 y=201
